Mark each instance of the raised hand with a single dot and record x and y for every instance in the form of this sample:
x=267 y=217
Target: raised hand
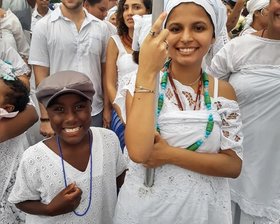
x=154 y=50
x=66 y=201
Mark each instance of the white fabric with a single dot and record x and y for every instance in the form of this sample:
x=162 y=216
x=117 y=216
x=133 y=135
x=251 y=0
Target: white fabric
x=214 y=8
x=111 y=28
x=252 y=6
x=12 y=33
x=57 y=44
x=125 y=65
x=40 y=178
x=111 y=12
x=21 y=9
x=10 y=55
x=36 y=16
x=179 y=195
x=10 y=153
x=254 y=73
x=247 y=30
x=6 y=114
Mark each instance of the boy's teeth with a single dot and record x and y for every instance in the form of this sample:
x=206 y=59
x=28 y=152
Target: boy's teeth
x=71 y=129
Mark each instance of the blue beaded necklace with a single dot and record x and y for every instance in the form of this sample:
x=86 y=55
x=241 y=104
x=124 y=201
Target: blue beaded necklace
x=64 y=173
x=207 y=102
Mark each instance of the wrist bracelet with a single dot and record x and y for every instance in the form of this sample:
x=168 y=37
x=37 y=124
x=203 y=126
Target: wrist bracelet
x=142 y=89
x=44 y=119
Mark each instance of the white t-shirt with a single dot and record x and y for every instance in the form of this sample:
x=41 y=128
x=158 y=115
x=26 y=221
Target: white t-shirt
x=13 y=34
x=57 y=44
x=40 y=177
x=252 y=66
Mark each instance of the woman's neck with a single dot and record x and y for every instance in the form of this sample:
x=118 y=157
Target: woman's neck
x=271 y=34
x=186 y=74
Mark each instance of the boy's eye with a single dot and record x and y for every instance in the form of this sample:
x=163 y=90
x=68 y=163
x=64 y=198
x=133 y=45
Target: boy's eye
x=80 y=106
x=58 y=109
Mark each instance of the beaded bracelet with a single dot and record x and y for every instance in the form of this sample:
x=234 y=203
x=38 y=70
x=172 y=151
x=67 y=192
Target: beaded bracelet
x=44 y=119
x=142 y=89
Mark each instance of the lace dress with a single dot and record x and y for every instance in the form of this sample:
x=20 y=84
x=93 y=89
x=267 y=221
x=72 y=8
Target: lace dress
x=179 y=195
x=40 y=177
x=10 y=154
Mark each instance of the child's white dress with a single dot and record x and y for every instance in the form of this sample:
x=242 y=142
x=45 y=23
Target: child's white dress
x=10 y=155
x=40 y=177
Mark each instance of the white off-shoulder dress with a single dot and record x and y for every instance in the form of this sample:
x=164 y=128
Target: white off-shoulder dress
x=179 y=195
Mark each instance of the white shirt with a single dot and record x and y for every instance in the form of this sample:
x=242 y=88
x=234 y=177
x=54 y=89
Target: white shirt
x=252 y=66
x=12 y=33
x=40 y=177
x=57 y=44
x=36 y=16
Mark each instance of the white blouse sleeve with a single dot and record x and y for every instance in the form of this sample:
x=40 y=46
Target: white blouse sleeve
x=231 y=128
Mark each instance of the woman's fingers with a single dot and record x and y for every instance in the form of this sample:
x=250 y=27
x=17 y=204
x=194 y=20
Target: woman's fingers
x=157 y=26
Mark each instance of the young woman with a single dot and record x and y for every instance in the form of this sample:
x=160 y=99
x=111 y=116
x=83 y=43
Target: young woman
x=199 y=143
x=119 y=56
x=254 y=73
x=73 y=176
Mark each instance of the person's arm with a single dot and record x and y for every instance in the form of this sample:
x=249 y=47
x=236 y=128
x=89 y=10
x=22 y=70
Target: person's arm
x=66 y=201
x=107 y=111
x=140 y=126
x=235 y=14
x=41 y=73
x=12 y=127
x=111 y=76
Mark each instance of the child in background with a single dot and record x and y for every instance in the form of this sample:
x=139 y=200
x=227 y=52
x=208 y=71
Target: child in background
x=73 y=176
x=14 y=97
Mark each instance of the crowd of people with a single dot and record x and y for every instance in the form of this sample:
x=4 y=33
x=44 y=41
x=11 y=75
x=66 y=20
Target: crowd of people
x=97 y=96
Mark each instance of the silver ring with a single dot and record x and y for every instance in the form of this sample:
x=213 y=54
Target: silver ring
x=152 y=33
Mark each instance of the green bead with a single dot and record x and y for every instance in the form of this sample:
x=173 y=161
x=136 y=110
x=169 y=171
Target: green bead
x=193 y=147
x=209 y=126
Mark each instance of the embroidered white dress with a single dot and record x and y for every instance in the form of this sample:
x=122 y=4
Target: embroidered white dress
x=10 y=154
x=40 y=177
x=179 y=195
x=254 y=72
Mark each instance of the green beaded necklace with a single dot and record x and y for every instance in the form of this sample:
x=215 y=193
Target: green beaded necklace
x=207 y=102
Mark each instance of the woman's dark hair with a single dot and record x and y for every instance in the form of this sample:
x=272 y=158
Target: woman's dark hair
x=122 y=28
x=18 y=96
x=92 y=2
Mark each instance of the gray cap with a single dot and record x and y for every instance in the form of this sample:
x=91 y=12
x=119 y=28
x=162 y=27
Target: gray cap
x=64 y=82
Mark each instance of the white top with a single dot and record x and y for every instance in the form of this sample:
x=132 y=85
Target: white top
x=57 y=44
x=40 y=177
x=10 y=154
x=125 y=65
x=36 y=16
x=111 y=28
x=254 y=72
x=247 y=30
x=11 y=56
x=179 y=195
x=6 y=114
x=12 y=33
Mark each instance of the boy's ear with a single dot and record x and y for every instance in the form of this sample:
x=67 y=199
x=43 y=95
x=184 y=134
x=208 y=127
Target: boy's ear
x=9 y=107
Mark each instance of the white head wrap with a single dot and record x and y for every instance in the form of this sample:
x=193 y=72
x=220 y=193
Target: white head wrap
x=111 y=11
x=216 y=10
x=252 y=6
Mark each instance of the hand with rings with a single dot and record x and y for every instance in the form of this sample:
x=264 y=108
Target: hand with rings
x=155 y=46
